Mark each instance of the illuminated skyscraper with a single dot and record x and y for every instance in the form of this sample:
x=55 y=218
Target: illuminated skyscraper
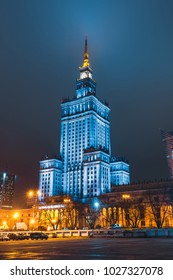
x=85 y=147
x=7 y=184
x=167 y=138
x=85 y=138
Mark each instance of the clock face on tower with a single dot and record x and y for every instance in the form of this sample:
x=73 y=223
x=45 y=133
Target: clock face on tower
x=83 y=75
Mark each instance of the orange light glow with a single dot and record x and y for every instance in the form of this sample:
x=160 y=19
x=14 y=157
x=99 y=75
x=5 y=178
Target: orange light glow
x=30 y=194
x=32 y=221
x=16 y=215
x=67 y=200
x=126 y=196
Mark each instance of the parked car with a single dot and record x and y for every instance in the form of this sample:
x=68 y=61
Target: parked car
x=38 y=235
x=26 y=236
x=114 y=226
x=4 y=237
x=22 y=236
x=13 y=236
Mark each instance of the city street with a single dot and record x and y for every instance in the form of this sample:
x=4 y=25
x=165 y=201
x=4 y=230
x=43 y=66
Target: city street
x=88 y=249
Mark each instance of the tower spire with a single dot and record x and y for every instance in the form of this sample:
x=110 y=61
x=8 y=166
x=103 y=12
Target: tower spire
x=86 y=55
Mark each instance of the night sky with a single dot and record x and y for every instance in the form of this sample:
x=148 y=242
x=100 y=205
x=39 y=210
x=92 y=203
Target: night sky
x=131 y=53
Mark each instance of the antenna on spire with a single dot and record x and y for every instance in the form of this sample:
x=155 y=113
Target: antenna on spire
x=86 y=46
x=86 y=55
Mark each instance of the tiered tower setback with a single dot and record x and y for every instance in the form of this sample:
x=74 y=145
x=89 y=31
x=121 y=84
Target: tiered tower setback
x=85 y=148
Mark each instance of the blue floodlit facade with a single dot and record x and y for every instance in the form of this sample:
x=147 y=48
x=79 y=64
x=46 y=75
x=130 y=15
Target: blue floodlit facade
x=86 y=168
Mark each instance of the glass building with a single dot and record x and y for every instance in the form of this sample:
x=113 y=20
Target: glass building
x=7 y=183
x=85 y=147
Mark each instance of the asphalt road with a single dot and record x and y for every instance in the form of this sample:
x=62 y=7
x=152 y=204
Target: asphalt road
x=88 y=249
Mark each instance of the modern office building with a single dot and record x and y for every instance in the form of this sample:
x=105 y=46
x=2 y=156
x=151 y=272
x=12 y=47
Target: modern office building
x=7 y=183
x=85 y=145
x=167 y=138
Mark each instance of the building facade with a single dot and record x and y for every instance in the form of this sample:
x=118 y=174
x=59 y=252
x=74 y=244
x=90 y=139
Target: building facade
x=85 y=169
x=7 y=183
x=148 y=204
x=119 y=171
x=50 y=180
x=142 y=205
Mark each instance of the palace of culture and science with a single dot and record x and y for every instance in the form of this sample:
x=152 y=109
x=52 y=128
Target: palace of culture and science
x=85 y=167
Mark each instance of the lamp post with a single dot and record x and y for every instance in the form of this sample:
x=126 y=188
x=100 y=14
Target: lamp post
x=32 y=222
x=15 y=216
x=32 y=197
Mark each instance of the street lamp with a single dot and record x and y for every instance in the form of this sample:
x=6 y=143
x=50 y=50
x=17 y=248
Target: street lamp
x=30 y=194
x=32 y=197
x=32 y=222
x=96 y=204
x=15 y=216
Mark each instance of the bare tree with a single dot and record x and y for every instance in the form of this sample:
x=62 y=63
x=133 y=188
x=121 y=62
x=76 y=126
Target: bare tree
x=91 y=216
x=71 y=216
x=134 y=211
x=54 y=218
x=158 y=206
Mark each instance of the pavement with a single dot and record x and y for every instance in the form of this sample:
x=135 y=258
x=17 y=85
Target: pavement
x=88 y=249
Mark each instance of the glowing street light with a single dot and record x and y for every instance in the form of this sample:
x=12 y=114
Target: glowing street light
x=16 y=215
x=32 y=222
x=30 y=194
x=32 y=197
x=96 y=204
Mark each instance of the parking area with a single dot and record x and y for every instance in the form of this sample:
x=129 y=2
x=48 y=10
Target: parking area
x=88 y=249
x=8 y=236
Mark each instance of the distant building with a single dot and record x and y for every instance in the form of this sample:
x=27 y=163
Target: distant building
x=167 y=138
x=85 y=146
x=7 y=184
